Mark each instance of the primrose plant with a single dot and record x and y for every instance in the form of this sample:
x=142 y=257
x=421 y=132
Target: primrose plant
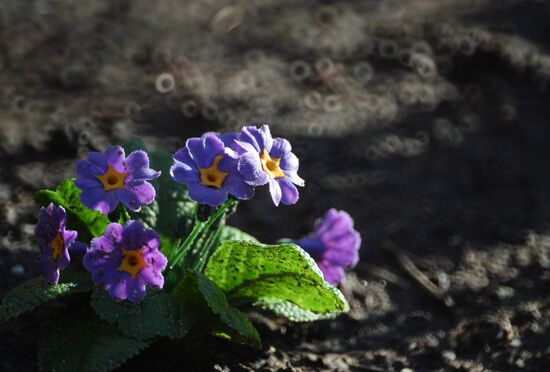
x=142 y=238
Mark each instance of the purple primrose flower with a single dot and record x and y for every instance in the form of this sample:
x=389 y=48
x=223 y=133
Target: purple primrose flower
x=266 y=160
x=125 y=259
x=334 y=244
x=209 y=169
x=54 y=242
x=110 y=177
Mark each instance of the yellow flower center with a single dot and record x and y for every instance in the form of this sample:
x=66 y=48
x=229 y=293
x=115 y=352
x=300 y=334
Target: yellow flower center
x=212 y=176
x=112 y=179
x=271 y=165
x=132 y=261
x=57 y=246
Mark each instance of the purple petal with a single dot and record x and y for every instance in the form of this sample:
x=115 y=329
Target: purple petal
x=151 y=239
x=86 y=169
x=118 y=290
x=99 y=200
x=135 y=290
x=228 y=139
x=236 y=186
x=184 y=169
x=244 y=147
x=48 y=269
x=333 y=274
x=250 y=167
x=116 y=157
x=259 y=138
x=88 y=183
x=275 y=191
x=133 y=235
x=144 y=191
x=289 y=192
x=152 y=277
x=281 y=147
x=129 y=199
x=98 y=159
x=138 y=165
x=251 y=136
x=207 y=195
x=113 y=232
x=345 y=257
x=204 y=150
x=289 y=162
x=295 y=179
x=266 y=138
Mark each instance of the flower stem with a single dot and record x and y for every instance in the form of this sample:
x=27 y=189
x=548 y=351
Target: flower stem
x=199 y=229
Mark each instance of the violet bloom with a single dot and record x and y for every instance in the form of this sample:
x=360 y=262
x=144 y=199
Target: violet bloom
x=209 y=169
x=266 y=160
x=125 y=259
x=54 y=242
x=333 y=244
x=110 y=177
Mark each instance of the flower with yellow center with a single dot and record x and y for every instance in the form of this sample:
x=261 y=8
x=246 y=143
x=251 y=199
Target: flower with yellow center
x=213 y=176
x=56 y=246
x=271 y=165
x=132 y=261
x=112 y=179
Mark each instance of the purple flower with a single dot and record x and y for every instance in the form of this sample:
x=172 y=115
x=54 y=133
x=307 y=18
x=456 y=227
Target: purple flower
x=266 y=160
x=54 y=242
x=109 y=178
x=334 y=244
x=125 y=260
x=209 y=169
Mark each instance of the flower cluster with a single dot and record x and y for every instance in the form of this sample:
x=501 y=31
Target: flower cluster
x=334 y=244
x=215 y=166
x=126 y=259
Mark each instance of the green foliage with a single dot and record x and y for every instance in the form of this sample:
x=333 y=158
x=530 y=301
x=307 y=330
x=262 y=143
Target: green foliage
x=206 y=299
x=34 y=292
x=82 y=342
x=283 y=278
x=88 y=223
x=159 y=314
x=232 y=233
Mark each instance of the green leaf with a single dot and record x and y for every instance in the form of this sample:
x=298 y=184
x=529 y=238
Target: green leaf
x=207 y=299
x=282 y=278
x=82 y=342
x=34 y=292
x=232 y=233
x=88 y=223
x=159 y=314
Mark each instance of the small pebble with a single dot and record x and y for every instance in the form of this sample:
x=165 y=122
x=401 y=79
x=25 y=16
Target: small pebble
x=448 y=355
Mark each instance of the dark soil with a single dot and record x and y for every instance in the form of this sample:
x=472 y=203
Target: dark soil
x=442 y=159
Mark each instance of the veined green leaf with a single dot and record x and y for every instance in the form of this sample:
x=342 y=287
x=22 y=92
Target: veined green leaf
x=34 y=292
x=218 y=316
x=159 y=314
x=82 y=342
x=282 y=278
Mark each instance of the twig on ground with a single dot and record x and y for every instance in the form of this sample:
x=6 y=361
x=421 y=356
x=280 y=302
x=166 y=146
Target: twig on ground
x=418 y=276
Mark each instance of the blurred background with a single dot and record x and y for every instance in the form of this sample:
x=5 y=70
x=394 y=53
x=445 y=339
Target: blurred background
x=428 y=121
